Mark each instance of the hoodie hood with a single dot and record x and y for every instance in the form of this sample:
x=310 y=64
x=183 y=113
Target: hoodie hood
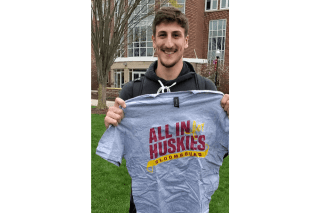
x=186 y=73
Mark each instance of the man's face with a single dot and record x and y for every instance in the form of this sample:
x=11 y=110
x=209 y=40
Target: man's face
x=170 y=43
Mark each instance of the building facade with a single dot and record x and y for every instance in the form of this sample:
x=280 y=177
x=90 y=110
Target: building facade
x=208 y=38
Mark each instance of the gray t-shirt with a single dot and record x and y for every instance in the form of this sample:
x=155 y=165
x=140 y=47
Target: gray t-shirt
x=174 y=145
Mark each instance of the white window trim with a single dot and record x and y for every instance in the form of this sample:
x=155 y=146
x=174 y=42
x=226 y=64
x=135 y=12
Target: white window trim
x=226 y=8
x=205 y=6
x=116 y=72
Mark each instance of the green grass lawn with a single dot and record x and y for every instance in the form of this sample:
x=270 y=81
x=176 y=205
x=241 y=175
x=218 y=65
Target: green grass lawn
x=110 y=185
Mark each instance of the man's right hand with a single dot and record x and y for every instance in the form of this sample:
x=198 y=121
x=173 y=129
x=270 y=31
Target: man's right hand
x=115 y=114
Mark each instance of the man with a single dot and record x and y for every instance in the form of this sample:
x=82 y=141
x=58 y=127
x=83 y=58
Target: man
x=170 y=38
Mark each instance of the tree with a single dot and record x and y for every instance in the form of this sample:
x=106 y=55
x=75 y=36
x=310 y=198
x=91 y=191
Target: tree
x=112 y=21
x=218 y=74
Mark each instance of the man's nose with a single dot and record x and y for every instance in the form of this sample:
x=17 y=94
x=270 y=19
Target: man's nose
x=169 y=42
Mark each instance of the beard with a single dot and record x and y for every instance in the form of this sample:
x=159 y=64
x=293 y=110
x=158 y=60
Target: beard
x=169 y=65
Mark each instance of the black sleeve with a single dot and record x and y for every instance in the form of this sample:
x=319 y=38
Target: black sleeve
x=209 y=85
x=126 y=91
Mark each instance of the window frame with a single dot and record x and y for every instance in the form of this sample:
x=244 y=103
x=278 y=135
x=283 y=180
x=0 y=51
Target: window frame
x=205 y=6
x=227 y=5
x=221 y=59
x=147 y=24
x=116 y=73
x=140 y=72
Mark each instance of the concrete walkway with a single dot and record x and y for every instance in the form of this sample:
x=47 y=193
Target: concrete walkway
x=94 y=102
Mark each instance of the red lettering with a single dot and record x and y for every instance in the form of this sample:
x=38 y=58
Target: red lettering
x=172 y=148
x=176 y=156
x=177 y=129
x=181 y=155
x=164 y=150
x=156 y=161
x=186 y=153
x=153 y=136
x=190 y=153
x=187 y=142
x=193 y=142
x=180 y=144
x=159 y=134
x=165 y=158
x=201 y=140
x=153 y=150
x=167 y=132
x=184 y=127
x=170 y=157
x=199 y=154
x=194 y=154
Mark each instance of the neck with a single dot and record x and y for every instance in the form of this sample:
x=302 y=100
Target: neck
x=170 y=73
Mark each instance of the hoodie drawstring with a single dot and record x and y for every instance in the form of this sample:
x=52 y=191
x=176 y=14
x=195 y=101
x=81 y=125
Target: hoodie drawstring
x=162 y=88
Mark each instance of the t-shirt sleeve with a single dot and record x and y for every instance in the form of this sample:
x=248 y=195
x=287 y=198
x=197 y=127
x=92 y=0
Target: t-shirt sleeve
x=223 y=133
x=111 y=145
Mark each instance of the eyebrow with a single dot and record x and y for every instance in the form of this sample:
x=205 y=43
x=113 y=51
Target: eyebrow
x=166 y=32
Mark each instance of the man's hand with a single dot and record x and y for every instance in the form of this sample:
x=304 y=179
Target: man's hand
x=225 y=103
x=115 y=114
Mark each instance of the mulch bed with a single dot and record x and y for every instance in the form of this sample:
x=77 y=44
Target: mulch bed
x=94 y=95
x=98 y=111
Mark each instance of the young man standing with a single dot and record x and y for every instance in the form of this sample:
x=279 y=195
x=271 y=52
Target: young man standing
x=170 y=72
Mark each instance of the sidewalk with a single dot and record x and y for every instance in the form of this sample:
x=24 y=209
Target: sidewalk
x=94 y=102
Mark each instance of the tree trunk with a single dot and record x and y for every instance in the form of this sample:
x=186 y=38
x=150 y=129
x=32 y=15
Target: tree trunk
x=102 y=97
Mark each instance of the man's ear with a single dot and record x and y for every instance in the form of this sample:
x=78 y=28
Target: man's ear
x=153 y=41
x=186 y=44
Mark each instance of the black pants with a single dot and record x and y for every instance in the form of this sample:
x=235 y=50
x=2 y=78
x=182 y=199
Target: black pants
x=132 y=208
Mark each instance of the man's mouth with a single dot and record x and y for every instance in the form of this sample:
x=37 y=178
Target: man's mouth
x=169 y=52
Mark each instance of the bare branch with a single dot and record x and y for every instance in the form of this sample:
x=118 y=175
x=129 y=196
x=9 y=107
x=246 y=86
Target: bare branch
x=112 y=22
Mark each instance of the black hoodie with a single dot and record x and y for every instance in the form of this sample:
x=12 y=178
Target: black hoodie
x=185 y=81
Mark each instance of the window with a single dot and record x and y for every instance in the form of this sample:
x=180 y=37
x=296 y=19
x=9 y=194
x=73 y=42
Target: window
x=211 y=5
x=181 y=5
x=118 y=78
x=140 y=42
x=139 y=36
x=136 y=73
x=224 y=4
x=216 y=41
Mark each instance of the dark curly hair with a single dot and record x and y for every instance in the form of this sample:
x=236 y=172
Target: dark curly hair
x=168 y=15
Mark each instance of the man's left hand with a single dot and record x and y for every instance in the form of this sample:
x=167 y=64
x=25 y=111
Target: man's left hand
x=225 y=103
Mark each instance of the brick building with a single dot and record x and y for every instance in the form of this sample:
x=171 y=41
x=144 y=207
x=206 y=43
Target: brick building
x=208 y=38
